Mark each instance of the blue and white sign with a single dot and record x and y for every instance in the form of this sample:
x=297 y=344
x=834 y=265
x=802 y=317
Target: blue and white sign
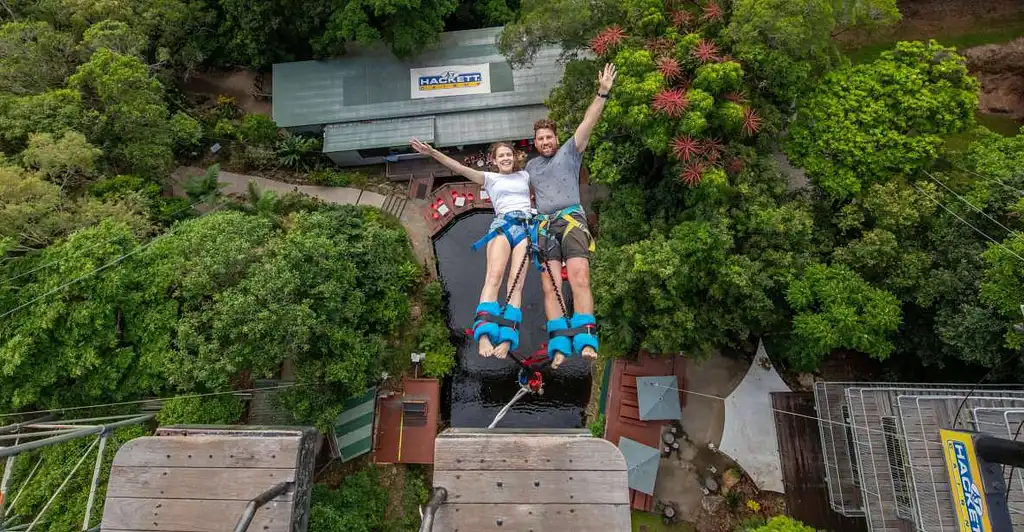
x=431 y=82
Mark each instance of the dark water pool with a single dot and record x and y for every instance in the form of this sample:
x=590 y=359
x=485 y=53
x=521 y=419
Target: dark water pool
x=480 y=387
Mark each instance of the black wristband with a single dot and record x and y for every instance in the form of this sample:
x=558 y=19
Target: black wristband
x=605 y=95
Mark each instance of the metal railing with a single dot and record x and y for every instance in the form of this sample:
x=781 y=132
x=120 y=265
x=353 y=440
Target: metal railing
x=263 y=498
x=437 y=498
x=43 y=432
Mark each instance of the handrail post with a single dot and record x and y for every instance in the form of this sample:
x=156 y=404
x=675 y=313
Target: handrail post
x=250 y=509
x=95 y=481
x=437 y=498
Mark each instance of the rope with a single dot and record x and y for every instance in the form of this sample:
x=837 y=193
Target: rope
x=101 y=268
x=519 y=395
x=797 y=414
x=143 y=401
x=979 y=231
x=971 y=205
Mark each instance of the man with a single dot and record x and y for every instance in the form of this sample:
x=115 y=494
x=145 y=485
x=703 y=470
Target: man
x=555 y=177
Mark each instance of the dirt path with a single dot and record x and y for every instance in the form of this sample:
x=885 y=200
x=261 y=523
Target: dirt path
x=411 y=218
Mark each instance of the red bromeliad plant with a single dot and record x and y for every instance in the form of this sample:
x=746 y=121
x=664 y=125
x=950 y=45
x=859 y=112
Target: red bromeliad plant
x=734 y=166
x=736 y=97
x=681 y=18
x=671 y=102
x=705 y=51
x=607 y=39
x=685 y=148
x=712 y=149
x=751 y=122
x=712 y=12
x=660 y=46
x=692 y=174
x=669 y=68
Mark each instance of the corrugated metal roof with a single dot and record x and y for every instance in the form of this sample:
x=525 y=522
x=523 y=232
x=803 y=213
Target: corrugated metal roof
x=482 y=127
x=377 y=133
x=353 y=429
x=374 y=84
x=453 y=129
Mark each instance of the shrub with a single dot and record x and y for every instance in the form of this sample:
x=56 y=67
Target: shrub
x=215 y=410
x=732 y=500
x=329 y=178
x=358 y=505
x=597 y=426
x=186 y=132
x=257 y=157
x=434 y=340
x=259 y=130
x=225 y=130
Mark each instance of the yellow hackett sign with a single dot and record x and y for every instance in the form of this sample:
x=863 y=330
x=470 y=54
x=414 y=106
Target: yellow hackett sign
x=965 y=481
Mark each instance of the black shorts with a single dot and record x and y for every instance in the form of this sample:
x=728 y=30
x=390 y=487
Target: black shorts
x=561 y=245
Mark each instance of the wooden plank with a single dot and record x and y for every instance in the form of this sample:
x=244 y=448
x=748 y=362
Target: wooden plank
x=193 y=483
x=190 y=515
x=516 y=487
x=527 y=453
x=532 y=517
x=209 y=451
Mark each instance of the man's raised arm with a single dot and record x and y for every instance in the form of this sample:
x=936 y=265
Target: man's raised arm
x=605 y=79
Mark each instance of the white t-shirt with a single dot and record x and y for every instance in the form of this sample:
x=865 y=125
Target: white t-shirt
x=508 y=192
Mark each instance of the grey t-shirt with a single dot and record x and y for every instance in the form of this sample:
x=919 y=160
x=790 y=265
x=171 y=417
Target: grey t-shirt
x=556 y=179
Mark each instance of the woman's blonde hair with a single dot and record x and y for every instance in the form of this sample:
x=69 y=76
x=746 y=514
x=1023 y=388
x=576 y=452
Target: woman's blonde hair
x=492 y=154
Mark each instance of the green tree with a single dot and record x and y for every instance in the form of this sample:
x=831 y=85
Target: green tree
x=359 y=505
x=835 y=309
x=34 y=57
x=67 y=161
x=69 y=349
x=55 y=112
x=115 y=36
x=1003 y=286
x=186 y=132
x=128 y=106
x=258 y=130
x=870 y=123
x=214 y=410
x=787 y=45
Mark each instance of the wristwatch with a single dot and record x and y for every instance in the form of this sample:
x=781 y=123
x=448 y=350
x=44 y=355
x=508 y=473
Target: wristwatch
x=602 y=95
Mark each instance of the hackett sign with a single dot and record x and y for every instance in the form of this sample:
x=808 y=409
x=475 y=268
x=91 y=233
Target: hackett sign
x=431 y=82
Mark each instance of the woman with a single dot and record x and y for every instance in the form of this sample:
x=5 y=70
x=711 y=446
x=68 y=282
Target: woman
x=496 y=329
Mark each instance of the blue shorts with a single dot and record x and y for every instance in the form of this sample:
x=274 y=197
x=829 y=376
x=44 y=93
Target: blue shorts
x=515 y=231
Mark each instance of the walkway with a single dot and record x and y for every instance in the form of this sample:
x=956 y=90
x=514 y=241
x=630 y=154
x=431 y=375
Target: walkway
x=412 y=218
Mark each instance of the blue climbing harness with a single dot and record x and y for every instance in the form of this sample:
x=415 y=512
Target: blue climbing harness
x=530 y=228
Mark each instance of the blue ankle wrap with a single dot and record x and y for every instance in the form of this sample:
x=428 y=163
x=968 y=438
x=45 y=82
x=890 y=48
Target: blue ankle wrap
x=558 y=344
x=582 y=340
x=508 y=334
x=484 y=327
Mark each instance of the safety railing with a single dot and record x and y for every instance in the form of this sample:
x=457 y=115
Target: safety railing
x=429 y=512
x=43 y=432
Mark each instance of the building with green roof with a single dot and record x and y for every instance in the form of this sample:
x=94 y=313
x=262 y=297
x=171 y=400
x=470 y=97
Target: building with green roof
x=370 y=103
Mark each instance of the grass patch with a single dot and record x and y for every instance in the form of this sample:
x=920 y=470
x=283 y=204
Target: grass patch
x=652 y=523
x=1000 y=34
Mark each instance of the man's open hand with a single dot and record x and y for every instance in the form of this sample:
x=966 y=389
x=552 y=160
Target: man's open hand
x=606 y=78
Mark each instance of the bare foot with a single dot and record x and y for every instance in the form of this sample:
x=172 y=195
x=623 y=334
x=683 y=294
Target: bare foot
x=486 y=348
x=502 y=350
x=559 y=358
x=588 y=352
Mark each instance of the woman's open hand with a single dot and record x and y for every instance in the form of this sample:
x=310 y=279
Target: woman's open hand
x=421 y=147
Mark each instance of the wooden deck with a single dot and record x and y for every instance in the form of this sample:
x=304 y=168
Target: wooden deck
x=803 y=466
x=403 y=436
x=623 y=416
x=443 y=205
x=199 y=479
x=521 y=481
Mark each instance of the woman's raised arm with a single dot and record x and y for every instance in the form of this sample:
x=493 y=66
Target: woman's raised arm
x=475 y=176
